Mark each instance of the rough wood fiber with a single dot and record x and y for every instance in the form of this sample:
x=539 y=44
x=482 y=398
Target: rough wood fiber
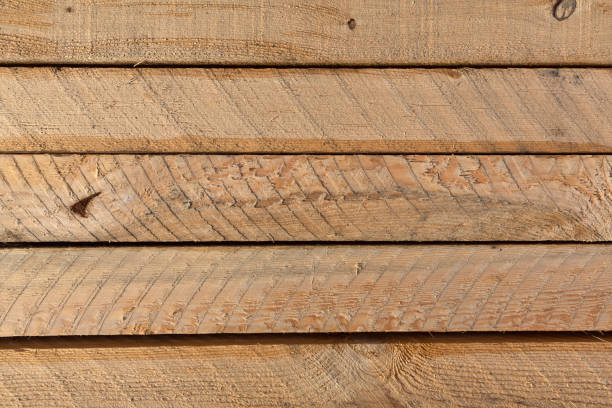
x=296 y=32
x=278 y=289
x=297 y=371
x=79 y=110
x=304 y=198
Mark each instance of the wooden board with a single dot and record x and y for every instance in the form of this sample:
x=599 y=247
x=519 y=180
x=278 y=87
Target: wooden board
x=298 y=32
x=280 y=289
x=296 y=371
x=161 y=198
x=79 y=110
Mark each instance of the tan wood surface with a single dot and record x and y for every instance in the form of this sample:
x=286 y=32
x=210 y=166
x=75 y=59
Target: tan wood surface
x=283 y=289
x=296 y=32
x=83 y=110
x=296 y=371
x=98 y=155
x=161 y=198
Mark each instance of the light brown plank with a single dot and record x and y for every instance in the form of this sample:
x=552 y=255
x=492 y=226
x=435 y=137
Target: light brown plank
x=278 y=289
x=78 y=110
x=297 y=371
x=100 y=198
x=298 y=32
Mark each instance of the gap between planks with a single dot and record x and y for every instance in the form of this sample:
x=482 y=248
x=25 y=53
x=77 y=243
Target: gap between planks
x=203 y=245
x=433 y=67
x=527 y=370
x=304 y=153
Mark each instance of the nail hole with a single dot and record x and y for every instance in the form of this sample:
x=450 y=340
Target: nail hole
x=68 y=9
x=352 y=24
x=80 y=207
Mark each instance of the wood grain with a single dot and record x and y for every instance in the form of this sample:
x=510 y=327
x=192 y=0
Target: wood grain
x=77 y=110
x=304 y=32
x=292 y=289
x=163 y=198
x=295 y=371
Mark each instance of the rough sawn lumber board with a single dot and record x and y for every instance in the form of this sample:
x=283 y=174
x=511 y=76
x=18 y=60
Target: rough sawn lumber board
x=305 y=32
x=84 y=110
x=291 y=289
x=162 y=198
x=566 y=370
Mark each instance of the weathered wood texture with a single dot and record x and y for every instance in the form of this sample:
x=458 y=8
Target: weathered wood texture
x=79 y=110
x=278 y=289
x=297 y=371
x=296 y=32
x=162 y=198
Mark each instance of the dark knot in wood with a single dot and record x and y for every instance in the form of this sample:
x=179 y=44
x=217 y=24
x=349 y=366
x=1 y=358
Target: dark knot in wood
x=564 y=9
x=80 y=207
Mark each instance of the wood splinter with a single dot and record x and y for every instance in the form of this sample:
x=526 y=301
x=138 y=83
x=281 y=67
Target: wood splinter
x=80 y=207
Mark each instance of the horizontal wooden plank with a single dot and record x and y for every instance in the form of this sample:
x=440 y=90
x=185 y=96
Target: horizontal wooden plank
x=284 y=289
x=162 y=198
x=78 y=110
x=297 y=32
x=324 y=371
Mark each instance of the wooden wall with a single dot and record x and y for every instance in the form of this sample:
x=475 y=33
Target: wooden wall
x=212 y=199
